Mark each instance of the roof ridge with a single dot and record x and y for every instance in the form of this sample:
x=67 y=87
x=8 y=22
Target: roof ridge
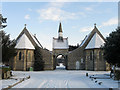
x=30 y=36
x=24 y=43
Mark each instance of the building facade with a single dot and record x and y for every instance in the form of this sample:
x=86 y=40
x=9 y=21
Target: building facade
x=60 y=47
x=25 y=46
x=88 y=56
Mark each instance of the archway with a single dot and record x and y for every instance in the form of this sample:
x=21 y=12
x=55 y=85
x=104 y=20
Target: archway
x=61 y=62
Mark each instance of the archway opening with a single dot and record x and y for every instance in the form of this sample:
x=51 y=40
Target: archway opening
x=61 y=62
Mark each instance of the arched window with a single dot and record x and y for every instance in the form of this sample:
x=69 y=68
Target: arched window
x=19 y=55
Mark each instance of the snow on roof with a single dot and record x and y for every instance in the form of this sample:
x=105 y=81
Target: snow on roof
x=85 y=40
x=24 y=43
x=35 y=39
x=60 y=44
x=95 y=42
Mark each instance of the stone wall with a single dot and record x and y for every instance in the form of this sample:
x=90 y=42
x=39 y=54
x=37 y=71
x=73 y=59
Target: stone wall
x=95 y=60
x=48 y=59
x=79 y=55
x=5 y=72
x=99 y=61
x=60 y=51
x=90 y=59
x=76 y=56
x=27 y=60
x=89 y=65
x=56 y=53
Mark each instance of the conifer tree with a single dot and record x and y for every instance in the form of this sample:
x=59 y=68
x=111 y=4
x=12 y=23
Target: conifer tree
x=39 y=63
x=7 y=45
x=112 y=48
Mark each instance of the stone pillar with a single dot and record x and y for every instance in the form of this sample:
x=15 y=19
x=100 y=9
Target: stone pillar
x=52 y=61
x=14 y=65
x=25 y=57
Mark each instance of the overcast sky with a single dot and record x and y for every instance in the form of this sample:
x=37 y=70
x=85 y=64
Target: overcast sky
x=77 y=18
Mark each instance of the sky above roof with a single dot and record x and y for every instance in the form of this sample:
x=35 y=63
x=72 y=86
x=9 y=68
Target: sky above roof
x=43 y=18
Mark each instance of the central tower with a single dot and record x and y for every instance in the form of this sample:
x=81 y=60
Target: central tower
x=60 y=48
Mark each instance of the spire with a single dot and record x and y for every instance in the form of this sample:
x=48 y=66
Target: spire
x=60 y=28
x=60 y=36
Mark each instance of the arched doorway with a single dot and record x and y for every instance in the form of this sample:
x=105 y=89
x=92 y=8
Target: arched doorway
x=60 y=62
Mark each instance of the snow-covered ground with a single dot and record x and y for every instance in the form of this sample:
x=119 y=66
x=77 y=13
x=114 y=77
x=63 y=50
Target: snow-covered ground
x=17 y=76
x=63 y=79
x=61 y=66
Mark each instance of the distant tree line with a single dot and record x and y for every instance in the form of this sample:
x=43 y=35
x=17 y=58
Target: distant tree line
x=73 y=47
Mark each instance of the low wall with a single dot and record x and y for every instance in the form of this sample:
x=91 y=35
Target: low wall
x=5 y=73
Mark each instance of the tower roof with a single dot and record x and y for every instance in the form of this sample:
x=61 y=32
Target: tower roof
x=60 y=45
x=60 y=28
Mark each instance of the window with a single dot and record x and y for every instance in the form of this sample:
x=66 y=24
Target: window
x=19 y=55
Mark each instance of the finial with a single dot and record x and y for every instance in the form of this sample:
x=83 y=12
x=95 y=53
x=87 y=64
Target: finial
x=95 y=25
x=25 y=25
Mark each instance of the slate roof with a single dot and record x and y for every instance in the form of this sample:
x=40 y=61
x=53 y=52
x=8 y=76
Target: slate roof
x=93 y=40
x=36 y=40
x=60 y=44
x=24 y=43
x=26 y=37
x=86 y=37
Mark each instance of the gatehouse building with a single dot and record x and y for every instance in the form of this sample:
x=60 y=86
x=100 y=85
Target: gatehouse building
x=88 y=56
